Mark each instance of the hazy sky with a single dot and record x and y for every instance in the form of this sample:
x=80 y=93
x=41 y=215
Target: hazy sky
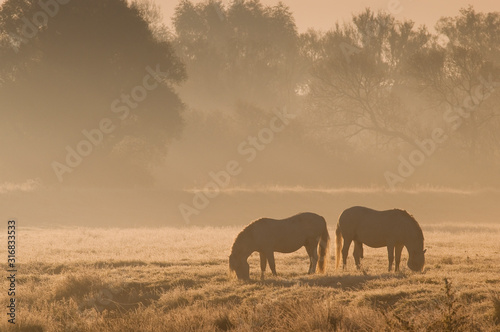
x=322 y=14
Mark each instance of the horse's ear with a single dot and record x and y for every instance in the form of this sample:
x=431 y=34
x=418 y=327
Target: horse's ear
x=425 y=250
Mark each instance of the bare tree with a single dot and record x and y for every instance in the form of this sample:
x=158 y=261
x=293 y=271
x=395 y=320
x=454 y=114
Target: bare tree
x=359 y=79
x=461 y=72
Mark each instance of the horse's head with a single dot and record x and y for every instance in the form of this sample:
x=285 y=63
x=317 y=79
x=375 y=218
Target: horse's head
x=416 y=261
x=240 y=266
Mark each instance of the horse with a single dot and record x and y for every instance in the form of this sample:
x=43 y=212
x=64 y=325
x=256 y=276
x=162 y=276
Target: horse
x=393 y=229
x=267 y=236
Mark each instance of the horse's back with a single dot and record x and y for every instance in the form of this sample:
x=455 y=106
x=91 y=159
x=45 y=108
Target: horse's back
x=300 y=222
x=372 y=227
x=361 y=214
x=289 y=234
x=355 y=215
x=307 y=217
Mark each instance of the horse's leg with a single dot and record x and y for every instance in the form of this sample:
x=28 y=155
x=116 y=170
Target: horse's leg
x=312 y=251
x=399 y=249
x=345 y=251
x=263 y=263
x=390 y=251
x=272 y=265
x=358 y=253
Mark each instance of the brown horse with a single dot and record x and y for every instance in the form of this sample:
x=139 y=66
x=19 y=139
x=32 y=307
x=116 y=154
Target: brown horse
x=285 y=235
x=393 y=229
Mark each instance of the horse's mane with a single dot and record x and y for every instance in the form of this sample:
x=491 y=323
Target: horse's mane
x=414 y=223
x=244 y=234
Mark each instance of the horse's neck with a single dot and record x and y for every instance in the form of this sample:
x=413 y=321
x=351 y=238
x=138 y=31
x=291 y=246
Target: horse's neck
x=412 y=243
x=245 y=248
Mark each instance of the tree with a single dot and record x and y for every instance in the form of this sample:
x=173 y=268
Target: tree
x=462 y=75
x=85 y=62
x=359 y=81
x=244 y=53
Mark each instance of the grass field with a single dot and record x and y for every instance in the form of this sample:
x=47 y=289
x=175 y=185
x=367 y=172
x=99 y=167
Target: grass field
x=176 y=279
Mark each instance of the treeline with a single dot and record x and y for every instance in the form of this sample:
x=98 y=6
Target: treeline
x=371 y=87
x=372 y=82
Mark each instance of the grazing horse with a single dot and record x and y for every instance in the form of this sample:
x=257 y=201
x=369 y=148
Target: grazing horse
x=393 y=229
x=283 y=235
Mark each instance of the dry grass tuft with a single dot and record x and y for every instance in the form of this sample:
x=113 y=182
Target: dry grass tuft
x=395 y=322
x=447 y=260
x=495 y=298
x=223 y=322
x=27 y=328
x=453 y=317
x=74 y=286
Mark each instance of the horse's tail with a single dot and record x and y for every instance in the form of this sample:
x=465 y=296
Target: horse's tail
x=338 y=242
x=324 y=244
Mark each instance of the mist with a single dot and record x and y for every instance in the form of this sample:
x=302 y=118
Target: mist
x=113 y=115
